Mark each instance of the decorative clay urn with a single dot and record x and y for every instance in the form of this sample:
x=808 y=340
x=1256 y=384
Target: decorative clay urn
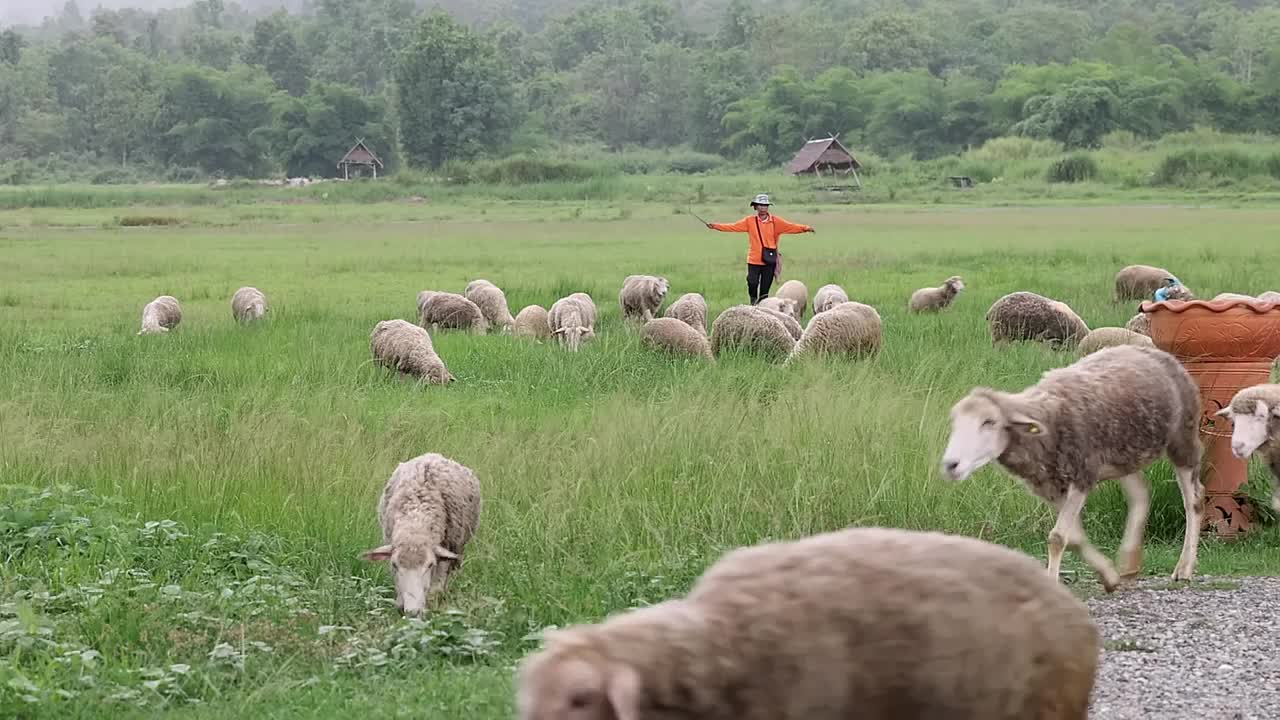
x=1226 y=345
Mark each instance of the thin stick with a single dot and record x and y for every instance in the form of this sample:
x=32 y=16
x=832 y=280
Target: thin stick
x=691 y=212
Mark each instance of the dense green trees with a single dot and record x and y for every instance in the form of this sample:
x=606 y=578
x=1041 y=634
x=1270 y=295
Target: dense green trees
x=226 y=88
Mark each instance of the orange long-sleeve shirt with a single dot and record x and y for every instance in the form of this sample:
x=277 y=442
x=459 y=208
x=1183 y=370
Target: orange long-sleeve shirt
x=772 y=229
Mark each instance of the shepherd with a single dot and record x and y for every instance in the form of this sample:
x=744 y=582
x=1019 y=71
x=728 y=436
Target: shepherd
x=763 y=230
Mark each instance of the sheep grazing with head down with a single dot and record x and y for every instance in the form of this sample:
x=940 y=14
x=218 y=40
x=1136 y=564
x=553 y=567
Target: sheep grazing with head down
x=675 y=337
x=1174 y=292
x=492 y=303
x=827 y=297
x=1140 y=323
x=936 y=298
x=572 y=320
x=248 y=304
x=450 y=311
x=534 y=322
x=748 y=328
x=641 y=296
x=849 y=328
x=406 y=348
x=1110 y=337
x=1107 y=416
x=429 y=509
x=161 y=315
x=787 y=319
x=1028 y=316
x=779 y=304
x=867 y=623
x=1254 y=413
x=1139 y=282
x=691 y=309
x=797 y=293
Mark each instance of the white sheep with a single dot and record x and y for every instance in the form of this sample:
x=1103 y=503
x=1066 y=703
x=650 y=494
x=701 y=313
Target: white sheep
x=866 y=623
x=161 y=315
x=1140 y=323
x=1254 y=413
x=936 y=298
x=787 y=319
x=429 y=509
x=850 y=328
x=1106 y=337
x=1108 y=415
x=406 y=348
x=779 y=304
x=827 y=297
x=534 y=322
x=572 y=320
x=248 y=304
x=675 y=337
x=492 y=303
x=796 y=292
x=641 y=296
x=1234 y=296
x=1028 y=316
x=749 y=328
x=1270 y=296
x=450 y=311
x=690 y=308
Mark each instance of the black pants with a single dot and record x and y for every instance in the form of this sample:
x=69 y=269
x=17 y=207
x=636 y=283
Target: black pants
x=759 y=280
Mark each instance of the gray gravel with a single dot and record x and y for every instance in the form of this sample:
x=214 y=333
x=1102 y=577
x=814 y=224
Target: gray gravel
x=1209 y=650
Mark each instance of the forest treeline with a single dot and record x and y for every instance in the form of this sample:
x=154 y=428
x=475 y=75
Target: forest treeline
x=219 y=89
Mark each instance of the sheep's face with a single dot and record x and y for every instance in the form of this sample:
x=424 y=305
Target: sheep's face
x=412 y=567
x=955 y=283
x=1250 y=430
x=574 y=335
x=556 y=687
x=982 y=428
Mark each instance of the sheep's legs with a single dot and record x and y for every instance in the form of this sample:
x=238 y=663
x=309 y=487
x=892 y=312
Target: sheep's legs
x=1139 y=497
x=1193 y=506
x=1069 y=532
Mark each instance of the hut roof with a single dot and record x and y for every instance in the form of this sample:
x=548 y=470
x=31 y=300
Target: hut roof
x=360 y=154
x=825 y=151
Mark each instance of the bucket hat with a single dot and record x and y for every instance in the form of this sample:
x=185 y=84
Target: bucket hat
x=761 y=199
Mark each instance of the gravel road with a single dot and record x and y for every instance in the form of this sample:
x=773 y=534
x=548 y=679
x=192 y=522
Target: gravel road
x=1205 y=651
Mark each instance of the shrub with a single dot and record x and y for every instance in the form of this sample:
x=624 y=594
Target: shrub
x=526 y=169
x=1272 y=165
x=1077 y=167
x=1185 y=167
x=755 y=157
x=691 y=163
x=1005 y=149
x=148 y=220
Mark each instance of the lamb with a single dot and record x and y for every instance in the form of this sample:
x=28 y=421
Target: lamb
x=827 y=297
x=796 y=292
x=1111 y=337
x=406 y=348
x=1140 y=323
x=248 y=304
x=161 y=315
x=779 y=304
x=868 y=623
x=641 y=297
x=787 y=319
x=1254 y=413
x=429 y=509
x=747 y=327
x=1106 y=416
x=534 y=322
x=676 y=337
x=492 y=303
x=1139 y=282
x=935 y=299
x=849 y=328
x=572 y=319
x=450 y=311
x=1028 y=316
x=690 y=308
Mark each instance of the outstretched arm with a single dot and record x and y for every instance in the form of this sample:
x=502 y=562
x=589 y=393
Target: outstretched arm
x=740 y=226
x=782 y=227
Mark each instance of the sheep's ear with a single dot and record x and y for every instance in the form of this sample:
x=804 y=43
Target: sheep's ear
x=445 y=553
x=378 y=554
x=623 y=690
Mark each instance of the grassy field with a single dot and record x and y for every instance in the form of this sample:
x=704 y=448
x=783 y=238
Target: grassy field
x=181 y=516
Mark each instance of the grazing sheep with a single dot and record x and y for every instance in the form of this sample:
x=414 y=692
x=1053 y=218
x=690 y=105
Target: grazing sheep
x=1111 y=337
x=1028 y=316
x=937 y=298
x=690 y=308
x=429 y=509
x=849 y=328
x=492 y=303
x=827 y=297
x=787 y=319
x=779 y=304
x=248 y=304
x=533 y=321
x=572 y=319
x=1174 y=292
x=450 y=311
x=404 y=347
x=1139 y=282
x=867 y=623
x=641 y=296
x=161 y=315
x=676 y=337
x=1254 y=413
x=1108 y=415
x=796 y=292
x=747 y=327
x=1140 y=323
x=1233 y=296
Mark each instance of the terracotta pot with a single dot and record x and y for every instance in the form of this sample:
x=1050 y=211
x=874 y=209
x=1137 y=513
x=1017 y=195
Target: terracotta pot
x=1226 y=345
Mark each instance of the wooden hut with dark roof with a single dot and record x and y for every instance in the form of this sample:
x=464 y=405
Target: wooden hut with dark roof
x=362 y=157
x=825 y=156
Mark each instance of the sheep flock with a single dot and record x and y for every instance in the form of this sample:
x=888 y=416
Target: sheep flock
x=866 y=622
